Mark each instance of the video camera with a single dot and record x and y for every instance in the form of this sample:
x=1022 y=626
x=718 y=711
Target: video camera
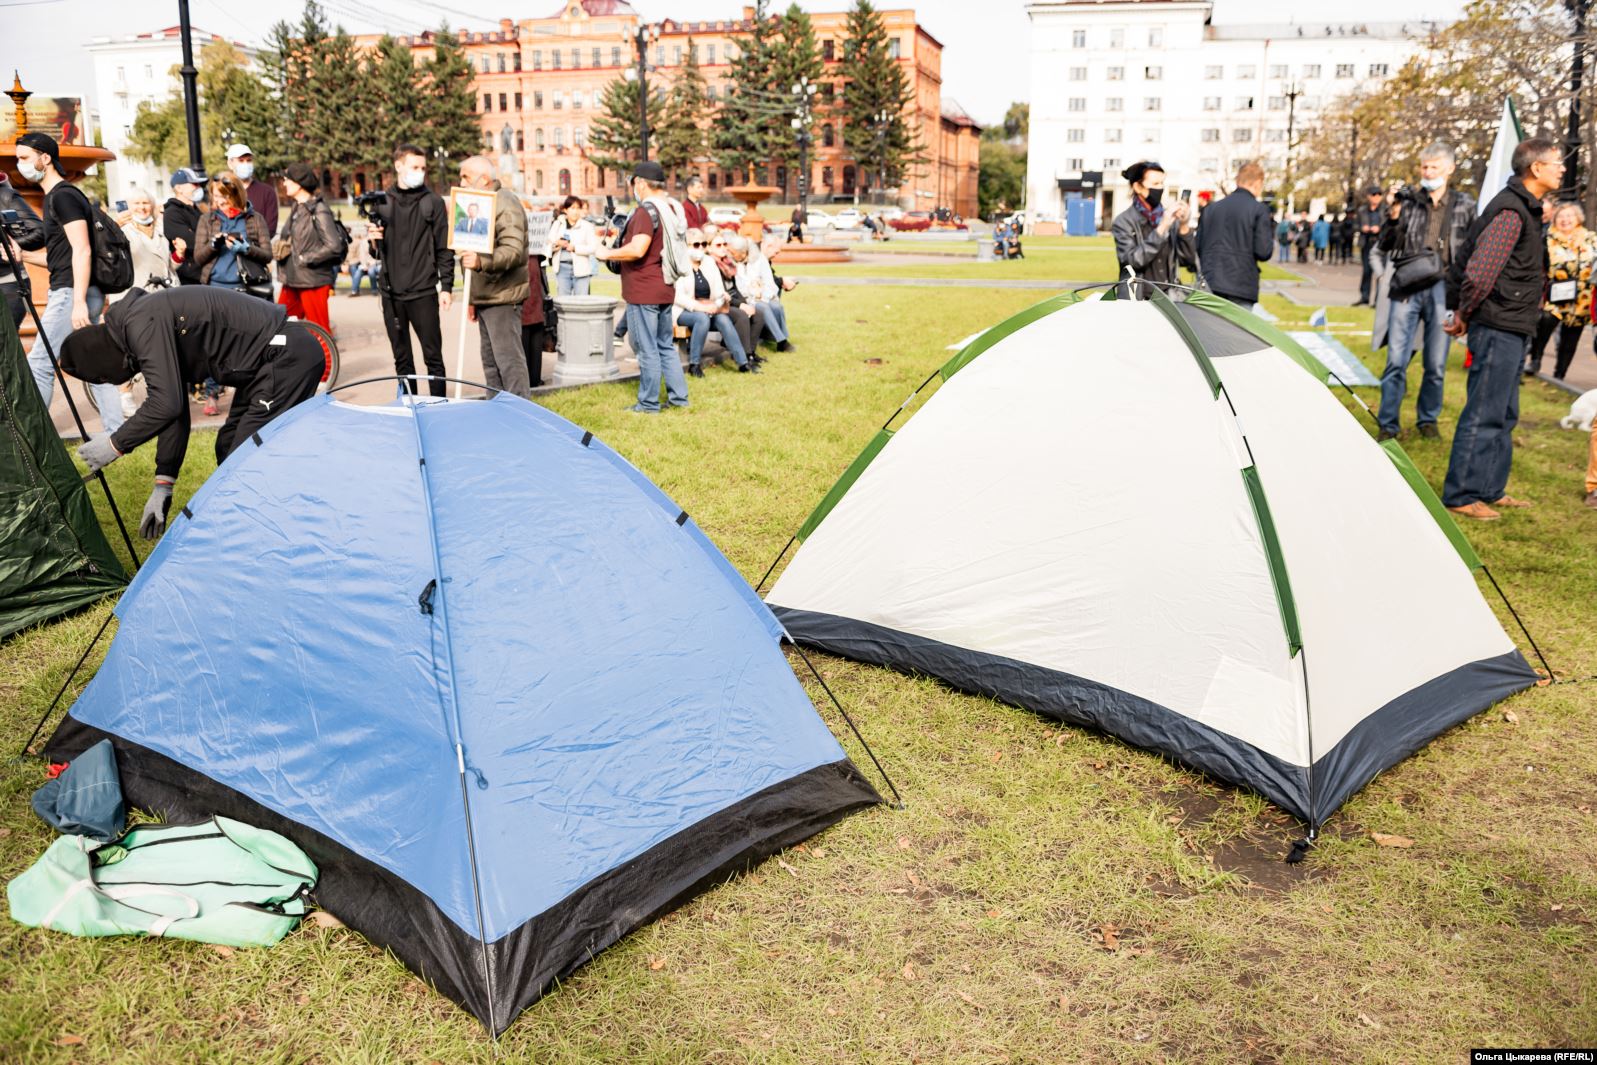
x=368 y=205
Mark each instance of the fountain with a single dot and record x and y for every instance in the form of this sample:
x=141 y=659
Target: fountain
x=75 y=161
x=753 y=226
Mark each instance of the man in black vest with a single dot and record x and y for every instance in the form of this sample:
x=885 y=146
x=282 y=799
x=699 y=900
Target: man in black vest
x=1494 y=293
x=418 y=267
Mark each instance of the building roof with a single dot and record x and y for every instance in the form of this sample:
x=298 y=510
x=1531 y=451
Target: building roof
x=956 y=114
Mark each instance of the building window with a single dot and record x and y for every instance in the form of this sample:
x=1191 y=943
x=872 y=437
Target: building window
x=487 y=101
x=576 y=59
x=676 y=56
x=1309 y=103
x=828 y=137
x=554 y=58
x=537 y=179
x=1150 y=135
x=503 y=102
x=1114 y=103
x=1378 y=70
x=565 y=183
x=1152 y=73
x=892 y=48
x=615 y=57
x=560 y=138
x=826 y=173
x=1152 y=103
x=537 y=101
x=1078 y=38
x=709 y=51
x=1242 y=136
x=518 y=101
x=1214 y=72
x=709 y=92
x=1244 y=103
x=149 y=72
x=1112 y=136
x=537 y=59
x=1117 y=38
x=516 y=62
x=1076 y=163
x=1247 y=72
x=659 y=55
x=537 y=139
x=1209 y=136
x=576 y=101
x=559 y=101
x=1210 y=165
x=1111 y=164
x=1078 y=73
x=714 y=179
x=1344 y=70
x=1311 y=70
x=1115 y=74
x=1277 y=103
x=1278 y=70
x=1275 y=136
x=579 y=137
x=1075 y=136
x=484 y=62
x=501 y=58
x=1211 y=103
x=521 y=140
x=828 y=53
x=1077 y=103
x=1156 y=37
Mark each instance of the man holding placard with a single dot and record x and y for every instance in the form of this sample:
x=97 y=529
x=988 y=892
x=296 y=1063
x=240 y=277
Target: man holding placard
x=496 y=279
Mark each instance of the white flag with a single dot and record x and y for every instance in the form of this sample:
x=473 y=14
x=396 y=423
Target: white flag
x=1499 y=167
x=1317 y=320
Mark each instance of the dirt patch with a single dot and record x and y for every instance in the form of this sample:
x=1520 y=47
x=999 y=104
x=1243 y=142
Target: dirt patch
x=1195 y=805
x=1260 y=857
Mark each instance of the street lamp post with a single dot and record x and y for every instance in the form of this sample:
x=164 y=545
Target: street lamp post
x=645 y=34
x=881 y=118
x=1292 y=90
x=803 y=119
x=191 y=95
x=1578 y=10
x=441 y=155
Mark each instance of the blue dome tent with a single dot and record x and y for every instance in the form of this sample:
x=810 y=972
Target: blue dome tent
x=502 y=690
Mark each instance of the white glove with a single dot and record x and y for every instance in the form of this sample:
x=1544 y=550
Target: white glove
x=97 y=452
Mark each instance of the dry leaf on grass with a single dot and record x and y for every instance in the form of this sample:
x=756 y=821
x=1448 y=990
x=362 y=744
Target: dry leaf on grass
x=1385 y=840
x=819 y=852
x=1367 y=1021
x=1511 y=717
x=1109 y=936
x=656 y=964
x=995 y=913
x=4 y=832
x=913 y=879
x=908 y=971
x=968 y=999
x=903 y=843
x=70 y=1041
x=998 y=756
x=226 y=952
x=323 y=919
x=1059 y=740
x=789 y=868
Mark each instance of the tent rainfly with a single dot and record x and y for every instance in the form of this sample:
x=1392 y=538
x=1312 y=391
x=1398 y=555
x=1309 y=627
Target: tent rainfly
x=53 y=557
x=1152 y=518
x=504 y=693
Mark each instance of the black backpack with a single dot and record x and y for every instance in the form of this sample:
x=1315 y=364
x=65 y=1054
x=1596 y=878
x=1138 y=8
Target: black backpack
x=110 y=255
x=621 y=233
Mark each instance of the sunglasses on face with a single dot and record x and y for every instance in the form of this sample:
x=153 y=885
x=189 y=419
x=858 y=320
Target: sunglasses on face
x=700 y=244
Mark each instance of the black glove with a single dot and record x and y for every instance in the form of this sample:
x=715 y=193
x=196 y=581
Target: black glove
x=153 y=522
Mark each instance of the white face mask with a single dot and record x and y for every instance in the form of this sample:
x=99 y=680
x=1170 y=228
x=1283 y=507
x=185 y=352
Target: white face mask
x=29 y=172
x=1431 y=184
x=144 y=219
x=412 y=179
x=198 y=195
x=245 y=171
x=696 y=254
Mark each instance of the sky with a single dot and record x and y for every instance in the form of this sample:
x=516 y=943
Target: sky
x=984 y=41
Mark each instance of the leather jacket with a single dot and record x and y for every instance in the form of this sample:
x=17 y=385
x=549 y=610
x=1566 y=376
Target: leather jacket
x=315 y=246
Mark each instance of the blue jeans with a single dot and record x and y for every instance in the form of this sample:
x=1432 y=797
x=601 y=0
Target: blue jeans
x=57 y=320
x=775 y=319
x=1483 y=442
x=1429 y=306
x=357 y=271
x=567 y=283
x=699 y=323
x=649 y=327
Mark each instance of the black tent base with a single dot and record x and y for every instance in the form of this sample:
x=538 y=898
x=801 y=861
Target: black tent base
x=527 y=962
x=1311 y=794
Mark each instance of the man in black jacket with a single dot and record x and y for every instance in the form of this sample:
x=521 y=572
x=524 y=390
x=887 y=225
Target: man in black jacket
x=1423 y=229
x=179 y=219
x=1235 y=235
x=1494 y=293
x=1369 y=218
x=28 y=232
x=418 y=267
x=176 y=338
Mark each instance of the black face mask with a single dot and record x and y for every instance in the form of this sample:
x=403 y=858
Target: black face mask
x=90 y=354
x=1153 y=196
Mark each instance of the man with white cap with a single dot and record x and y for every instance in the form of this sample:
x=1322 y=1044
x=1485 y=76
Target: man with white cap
x=261 y=195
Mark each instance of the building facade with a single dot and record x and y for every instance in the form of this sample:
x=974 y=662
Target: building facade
x=129 y=71
x=1169 y=80
x=541 y=81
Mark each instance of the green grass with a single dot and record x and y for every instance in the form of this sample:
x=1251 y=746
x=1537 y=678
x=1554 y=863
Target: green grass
x=966 y=928
x=1047 y=258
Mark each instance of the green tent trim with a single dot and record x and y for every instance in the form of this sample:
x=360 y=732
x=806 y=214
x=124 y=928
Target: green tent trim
x=845 y=482
x=1422 y=488
x=1167 y=308
x=54 y=558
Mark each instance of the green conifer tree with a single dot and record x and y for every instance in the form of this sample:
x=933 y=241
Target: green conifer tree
x=448 y=109
x=614 y=136
x=680 y=139
x=876 y=87
x=744 y=125
x=796 y=59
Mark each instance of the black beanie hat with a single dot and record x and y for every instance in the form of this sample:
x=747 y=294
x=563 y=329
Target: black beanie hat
x=90 y=354
x=302 y=175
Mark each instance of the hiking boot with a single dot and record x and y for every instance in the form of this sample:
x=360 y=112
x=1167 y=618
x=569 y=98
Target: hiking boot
x=1477 y=510
x=750 y=367
x=1388 y=434
x=695 y=370
x=1510 y=501
x=1430 y=431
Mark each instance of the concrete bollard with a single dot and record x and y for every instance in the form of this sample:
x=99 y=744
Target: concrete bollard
x=984 y=249
x=585 y=340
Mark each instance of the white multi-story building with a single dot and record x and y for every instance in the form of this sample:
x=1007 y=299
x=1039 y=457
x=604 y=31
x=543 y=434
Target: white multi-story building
x=1117 y=81
x=128 y=71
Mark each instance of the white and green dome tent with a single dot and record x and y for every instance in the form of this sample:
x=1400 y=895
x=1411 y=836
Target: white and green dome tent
x=1153 y=517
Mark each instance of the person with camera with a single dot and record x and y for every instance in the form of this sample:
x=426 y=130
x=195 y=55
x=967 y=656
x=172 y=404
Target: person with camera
x=1152 y=238
x=179 y=337
x=25 y=227
x=1494 y=295
x=232 y=246
x=409 y=235
x=1424 y=227
x=180 y=218
x=310 y=254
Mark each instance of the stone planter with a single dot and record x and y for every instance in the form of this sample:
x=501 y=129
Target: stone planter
x=585 y=340
x=984 y=249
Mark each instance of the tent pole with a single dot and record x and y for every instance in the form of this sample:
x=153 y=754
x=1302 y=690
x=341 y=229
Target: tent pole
x=898 y=801
x=1518 y=621
x=49 y=710
x=791 y=540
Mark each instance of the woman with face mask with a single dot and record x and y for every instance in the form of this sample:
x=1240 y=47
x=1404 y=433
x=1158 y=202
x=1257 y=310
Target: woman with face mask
x=701 y=303
x=1152 y=237
x=152 y=252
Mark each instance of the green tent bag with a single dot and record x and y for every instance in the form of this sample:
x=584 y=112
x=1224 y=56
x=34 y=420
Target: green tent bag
x=217 y=881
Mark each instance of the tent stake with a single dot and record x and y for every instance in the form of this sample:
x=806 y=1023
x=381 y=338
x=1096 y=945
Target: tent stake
x=49 y=710
x=898 y=801
x=1517 y=620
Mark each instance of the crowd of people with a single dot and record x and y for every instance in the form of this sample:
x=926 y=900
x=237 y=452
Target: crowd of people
x=1504 y=279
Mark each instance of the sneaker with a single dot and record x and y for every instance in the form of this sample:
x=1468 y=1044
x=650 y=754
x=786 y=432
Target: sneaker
x=750 y=367
x=1477 y=510
x=211 y=410
x=1510 y=501
x=1430 y=431
x=638 y=408
x=695 y=370
x=782 y=345
x=1387 y=434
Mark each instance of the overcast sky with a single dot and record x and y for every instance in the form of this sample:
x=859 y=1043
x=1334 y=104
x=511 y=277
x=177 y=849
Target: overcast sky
x=984 y=41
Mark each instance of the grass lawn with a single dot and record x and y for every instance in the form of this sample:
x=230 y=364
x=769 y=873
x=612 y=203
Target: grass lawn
x=976 y=925
x=1057 y=258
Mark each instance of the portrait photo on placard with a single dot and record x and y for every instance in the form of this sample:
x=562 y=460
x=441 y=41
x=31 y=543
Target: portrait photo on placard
x=471 y=213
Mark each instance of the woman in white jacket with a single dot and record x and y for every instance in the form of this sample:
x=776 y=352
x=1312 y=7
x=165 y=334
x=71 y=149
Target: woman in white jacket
x=152 y=255
x=702 y=301
x=572 y=242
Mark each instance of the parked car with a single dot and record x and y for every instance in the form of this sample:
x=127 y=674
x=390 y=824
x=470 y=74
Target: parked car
x=890 y=214
x=820 y=218
x=849 y=218
x=726 y=216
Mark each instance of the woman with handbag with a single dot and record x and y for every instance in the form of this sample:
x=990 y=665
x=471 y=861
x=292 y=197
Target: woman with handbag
x=1571 y=254
x=233 y=250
